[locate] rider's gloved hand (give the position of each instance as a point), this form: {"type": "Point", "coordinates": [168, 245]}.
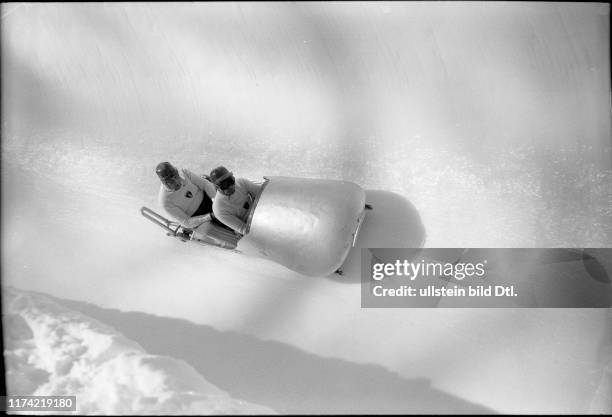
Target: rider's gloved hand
{"type": "Point", "coordinates": [199, 220]}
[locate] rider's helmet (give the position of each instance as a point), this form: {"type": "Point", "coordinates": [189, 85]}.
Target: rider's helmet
{"type": "Point", "coordinates": [167, 173]}
{"type": "Point", "coordinates": [222, 178]}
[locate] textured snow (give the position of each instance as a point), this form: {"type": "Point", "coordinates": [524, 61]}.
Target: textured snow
{"type": "Point", "coordinates": [51, 350]}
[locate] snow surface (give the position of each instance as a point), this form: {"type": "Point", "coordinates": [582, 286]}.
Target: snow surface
{"type": "Point", "coordinates": [474, 124]}
{"type": "Point", "coordinates": [51, 350]}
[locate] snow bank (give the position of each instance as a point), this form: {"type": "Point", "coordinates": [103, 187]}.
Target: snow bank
{"type": "Point", "coordinates": [50, 350]}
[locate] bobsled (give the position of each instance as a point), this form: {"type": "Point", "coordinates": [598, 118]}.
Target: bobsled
{"type": "Point", "coordinates": [306, 225]}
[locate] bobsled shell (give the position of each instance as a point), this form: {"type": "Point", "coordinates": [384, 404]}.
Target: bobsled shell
{"type": "Point", "coordinates": [307, 225]}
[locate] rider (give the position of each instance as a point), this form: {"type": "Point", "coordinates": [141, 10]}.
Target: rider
{"type": "Point", "coordinates": [188, 199]}
{"type": "Point", "coordinates": [234, 198]}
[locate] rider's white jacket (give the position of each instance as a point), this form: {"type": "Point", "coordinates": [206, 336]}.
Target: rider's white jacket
{"type": "Point", "coordinates": [182, 203]}
{"type": "Point", "coordinates": [234, 209]}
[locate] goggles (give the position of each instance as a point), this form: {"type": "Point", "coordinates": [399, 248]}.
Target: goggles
{"type": "Point", "coordinates": [167, 177]}
{"type": "Point", "coordinates": [167, 173]}
{"type": "Point", "coordinates": [225, 181]}
{"type": "Point", "coordinates": [170, 180]}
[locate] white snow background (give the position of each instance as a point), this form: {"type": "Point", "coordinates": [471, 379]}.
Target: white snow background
{"type": "Point", "coordinates": [487, 124]}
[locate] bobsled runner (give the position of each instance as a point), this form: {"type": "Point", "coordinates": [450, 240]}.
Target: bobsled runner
{"type": "Point", "coordinates": [306, 225]}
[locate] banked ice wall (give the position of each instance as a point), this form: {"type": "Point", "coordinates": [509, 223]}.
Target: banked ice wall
{"type": "Point", "coordinates": [492, 120]}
